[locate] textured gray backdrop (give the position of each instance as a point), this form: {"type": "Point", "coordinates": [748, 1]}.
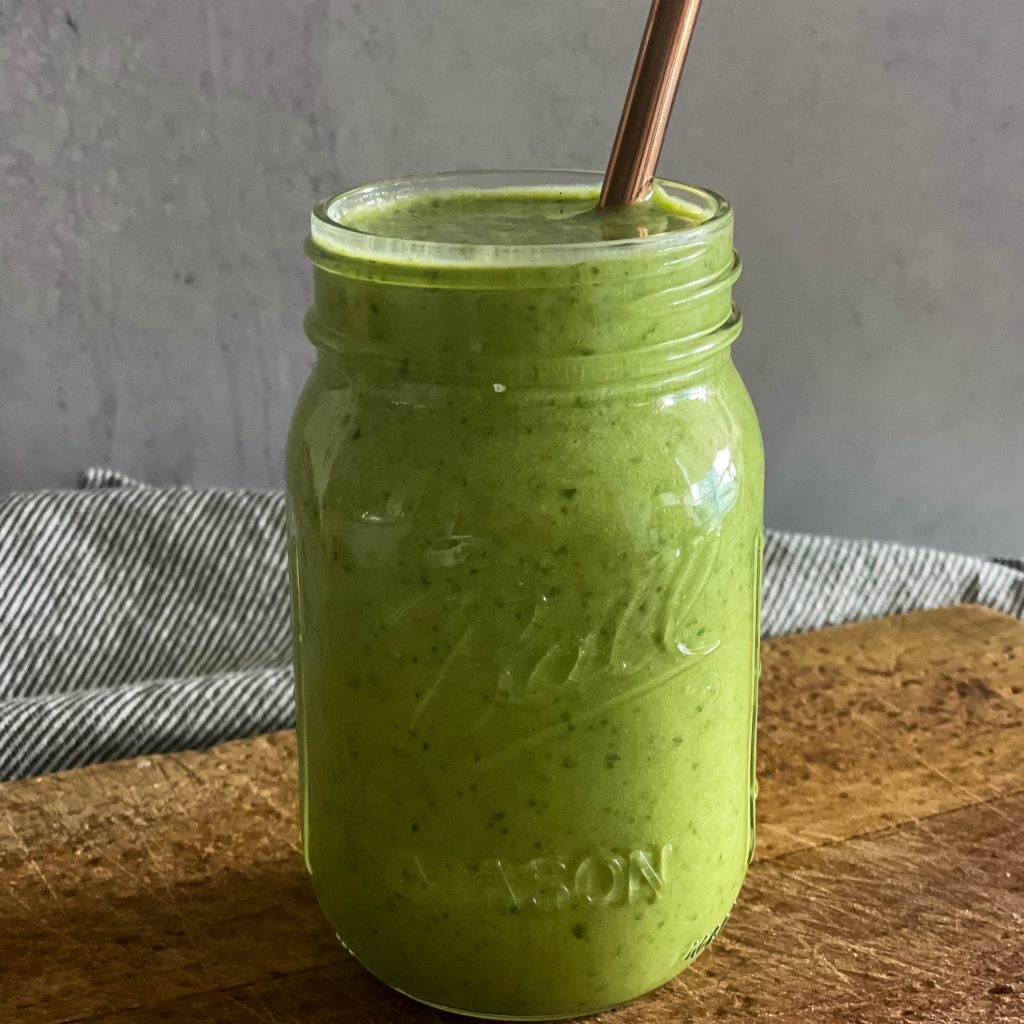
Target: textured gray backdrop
{"type": "Point", "coordinates": [158, 161]}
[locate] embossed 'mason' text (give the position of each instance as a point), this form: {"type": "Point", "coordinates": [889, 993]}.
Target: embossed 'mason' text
{"type": "Point", "coordinates": [542, 883]}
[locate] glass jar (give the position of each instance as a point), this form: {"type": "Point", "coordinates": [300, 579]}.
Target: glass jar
{"type": "Point", "coordinates": [525, 505]}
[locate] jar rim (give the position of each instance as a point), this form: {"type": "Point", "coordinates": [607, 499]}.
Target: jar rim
{"type": "Point", "coordinates": [331, 235]}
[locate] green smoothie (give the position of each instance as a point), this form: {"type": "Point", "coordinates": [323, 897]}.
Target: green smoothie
{"type": "Point", "coordinates": [525, 502]}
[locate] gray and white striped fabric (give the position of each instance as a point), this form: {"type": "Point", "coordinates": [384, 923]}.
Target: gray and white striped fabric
{"type": "Point", "coordinates": [137, 619]}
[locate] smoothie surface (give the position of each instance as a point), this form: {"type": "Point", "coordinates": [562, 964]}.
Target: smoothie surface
{"type": "Point", "coordinates": [524, 216]}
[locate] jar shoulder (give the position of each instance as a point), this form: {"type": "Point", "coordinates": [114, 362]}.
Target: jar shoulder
{"type": "Point", "coordinates": [362, 452]}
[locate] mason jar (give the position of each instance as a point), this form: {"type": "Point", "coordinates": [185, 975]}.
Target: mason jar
{"type": "Point", "coordinates": [524, 490]}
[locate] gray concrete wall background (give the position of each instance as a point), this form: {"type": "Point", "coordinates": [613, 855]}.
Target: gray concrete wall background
{"type": "Point", "coordinates": [158, 161]}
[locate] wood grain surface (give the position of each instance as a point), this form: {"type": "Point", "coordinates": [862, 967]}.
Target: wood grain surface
{"type": "Point", "coordinates": [889, 884]}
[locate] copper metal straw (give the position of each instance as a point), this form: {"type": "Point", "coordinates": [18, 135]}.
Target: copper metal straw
{"type": "Point", "coordinates": [649, 102]}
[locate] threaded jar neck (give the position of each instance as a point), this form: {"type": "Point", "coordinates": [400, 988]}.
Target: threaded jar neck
{"type": "Point", "coordinates": [559, 314]}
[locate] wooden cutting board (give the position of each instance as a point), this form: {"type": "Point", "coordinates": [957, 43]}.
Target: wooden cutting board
{"type": "Point", "coordinates": [889, 884]}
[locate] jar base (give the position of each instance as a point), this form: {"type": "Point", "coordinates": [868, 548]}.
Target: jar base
{"type": "Point", "coordinates": [470, 1014]}
{"type": "Point", "coordinates": [479, 1015]}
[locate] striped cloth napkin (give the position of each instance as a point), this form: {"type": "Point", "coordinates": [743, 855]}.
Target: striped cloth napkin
{"type": "Point", "coordinates": [138, 619]}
